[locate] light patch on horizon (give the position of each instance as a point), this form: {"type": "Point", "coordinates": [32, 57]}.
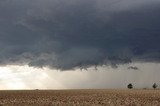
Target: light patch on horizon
{"type": "Point", "coordinates": [25, 77]}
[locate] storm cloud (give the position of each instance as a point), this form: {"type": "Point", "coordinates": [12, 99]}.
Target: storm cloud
{"type": "Point", "coordinates": [79, 33]}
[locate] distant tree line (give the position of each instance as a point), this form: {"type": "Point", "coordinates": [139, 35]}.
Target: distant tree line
{"type": "Point", "coordinates": [130, 86]}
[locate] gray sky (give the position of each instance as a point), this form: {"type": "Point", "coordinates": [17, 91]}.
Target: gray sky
{"type": "Point", "coordinates": [80, 34]}
{"type": "Point", "coordinates": [24, 77]}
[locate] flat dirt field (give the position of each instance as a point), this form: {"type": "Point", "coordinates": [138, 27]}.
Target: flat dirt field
{"type": "Point", "coordinates": [80, 98]}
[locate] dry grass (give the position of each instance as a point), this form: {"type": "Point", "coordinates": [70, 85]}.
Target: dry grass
{"type": "Point", "coordinates": [80, 98]}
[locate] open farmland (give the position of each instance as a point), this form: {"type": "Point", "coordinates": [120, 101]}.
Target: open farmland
{"type": "Point", "coordinates": [80, 97]}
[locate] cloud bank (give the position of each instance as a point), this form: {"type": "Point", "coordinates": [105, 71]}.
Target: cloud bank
{"type": "Point", "coordinates": [79, 33]}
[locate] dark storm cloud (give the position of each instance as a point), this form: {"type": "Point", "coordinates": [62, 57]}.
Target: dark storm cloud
{"type": "Point", "coordinates": [79, 33]}
{"type": "Point", "coordinates": [133, 67]}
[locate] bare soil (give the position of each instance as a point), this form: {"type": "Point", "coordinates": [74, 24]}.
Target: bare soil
{"type": "Point", "coordinates": [80, 98]}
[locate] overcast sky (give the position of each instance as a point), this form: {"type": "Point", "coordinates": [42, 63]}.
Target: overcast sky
{"type": "Point", "coordinates": [70, 35]}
